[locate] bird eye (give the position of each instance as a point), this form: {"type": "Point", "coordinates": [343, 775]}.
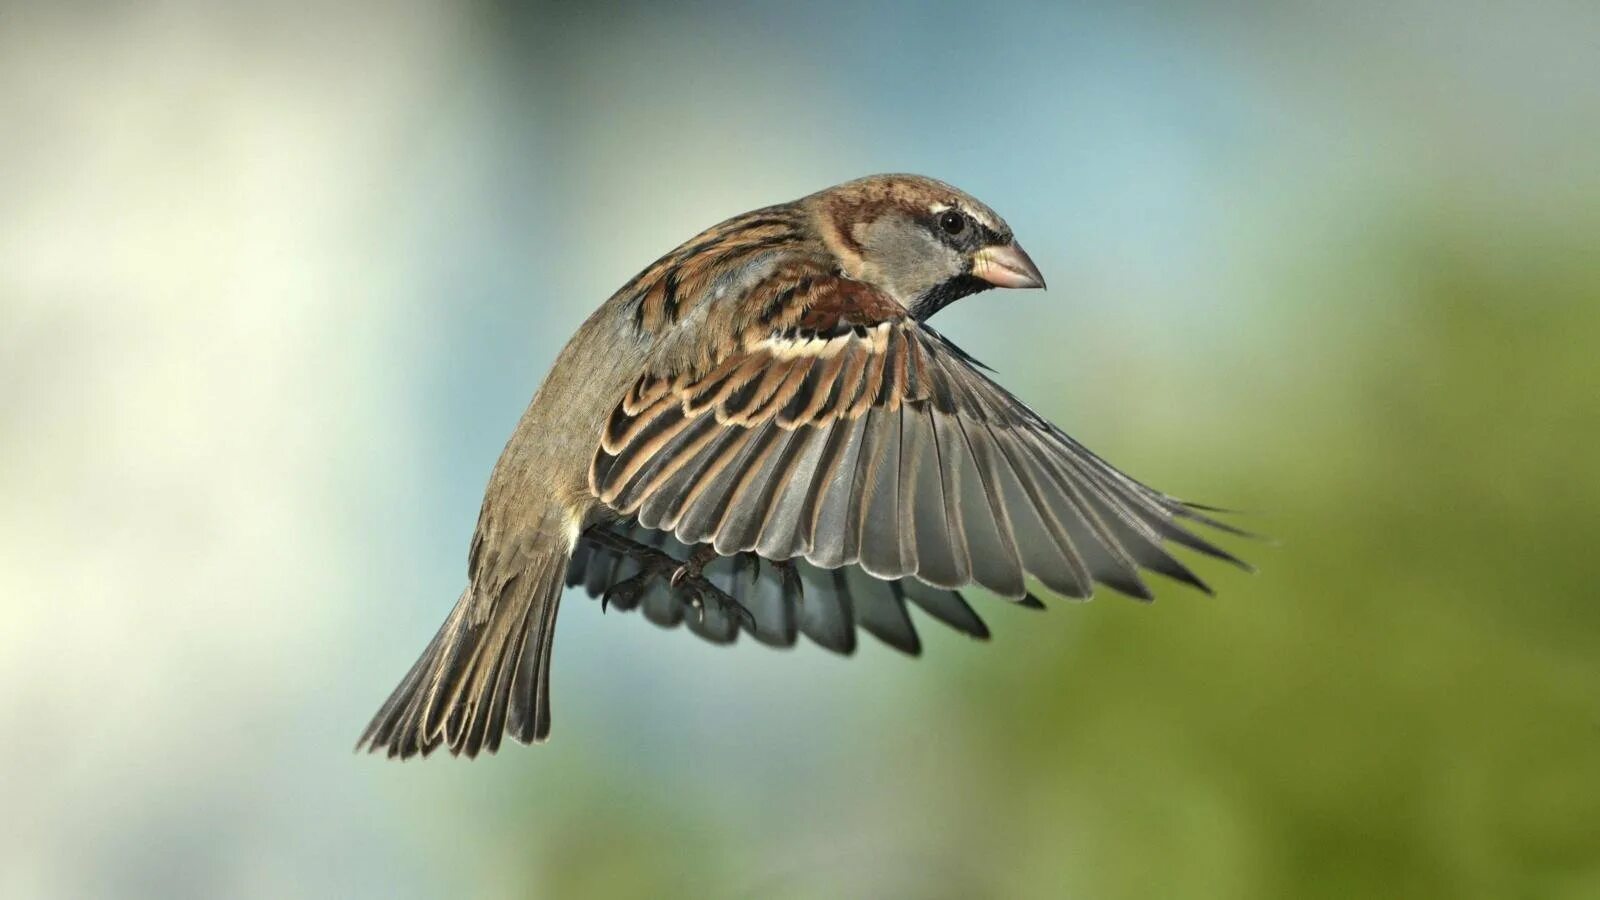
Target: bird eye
{"type": "Point", "coordinates": [952, 222]}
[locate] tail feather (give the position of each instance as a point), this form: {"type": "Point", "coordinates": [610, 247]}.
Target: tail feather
{"type": "Point", "coordinates": [485, 674]}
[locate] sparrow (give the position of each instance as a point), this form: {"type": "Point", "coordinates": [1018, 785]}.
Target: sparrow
{"type": "Point", "coordinates": [759, 433]}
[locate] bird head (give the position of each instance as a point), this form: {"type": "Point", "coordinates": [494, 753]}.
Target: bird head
{"type": "Point", "coordinates": [921, 241]}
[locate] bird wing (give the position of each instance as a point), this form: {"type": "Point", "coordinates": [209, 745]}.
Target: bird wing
{"type": "Point", "coordinates": [825, 606]}
{"type": "Point", "coordinates": [841, 431]}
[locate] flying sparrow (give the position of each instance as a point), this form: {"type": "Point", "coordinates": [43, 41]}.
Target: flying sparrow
{"type": "Point", "coordinates": [760, 429]}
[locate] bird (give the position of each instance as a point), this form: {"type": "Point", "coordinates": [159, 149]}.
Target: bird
{"type": "Point", "coordinates": [760, 433]}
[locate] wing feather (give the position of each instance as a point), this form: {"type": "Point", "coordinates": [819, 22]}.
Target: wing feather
{"type": "Point", "coordinates": [825, 605]}
{"type": "Point", "coordinates": [872, 441]}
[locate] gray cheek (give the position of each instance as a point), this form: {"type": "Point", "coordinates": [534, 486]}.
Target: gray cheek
{"type": "Point", "coordinates": [908, 260]}
{"type": "Point", "coordinates": [919, 265]}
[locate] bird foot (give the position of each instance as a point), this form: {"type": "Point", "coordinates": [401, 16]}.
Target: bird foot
{"type": "Point", "coordinates": [685, 577]}
{"type": "Point", "coordinates": [700, 593]}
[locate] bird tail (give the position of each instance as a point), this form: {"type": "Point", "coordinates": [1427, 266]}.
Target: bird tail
{"type": "Point", "coordinates": [486, 673]}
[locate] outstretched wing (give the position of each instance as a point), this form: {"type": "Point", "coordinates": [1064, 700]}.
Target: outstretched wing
{"type": "Point", "coordinates": [843, 432]}
{"type": "Point", "coordinates": [825, 606]}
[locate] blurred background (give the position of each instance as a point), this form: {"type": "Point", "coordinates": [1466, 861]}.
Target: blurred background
{"type": "Point", "coordinates": [276, 283]}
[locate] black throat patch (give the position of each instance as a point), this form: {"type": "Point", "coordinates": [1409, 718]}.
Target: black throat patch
{"type": "Point", "coordinates": [945, 293]}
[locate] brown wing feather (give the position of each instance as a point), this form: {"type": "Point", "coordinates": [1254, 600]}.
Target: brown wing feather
{"type": "Point", "coordinates": [845, 433]}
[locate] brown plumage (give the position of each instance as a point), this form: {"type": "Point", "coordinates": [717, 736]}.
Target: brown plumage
{"type": "Point", "coordinates": [758, 433]}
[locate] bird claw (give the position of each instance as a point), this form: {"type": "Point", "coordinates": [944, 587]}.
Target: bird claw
{"type": "Point", "coordinates": [792, 585]}
{"type": "Point", "coordinates": [684, 577]}
{"type": "Point", "coordinates": [626, 592]}
{"type": "Point", "coordinates": [700, 593]}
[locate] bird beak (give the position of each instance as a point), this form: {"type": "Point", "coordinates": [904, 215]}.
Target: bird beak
{"type": "Point", "coordinates": [1007, 266]}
